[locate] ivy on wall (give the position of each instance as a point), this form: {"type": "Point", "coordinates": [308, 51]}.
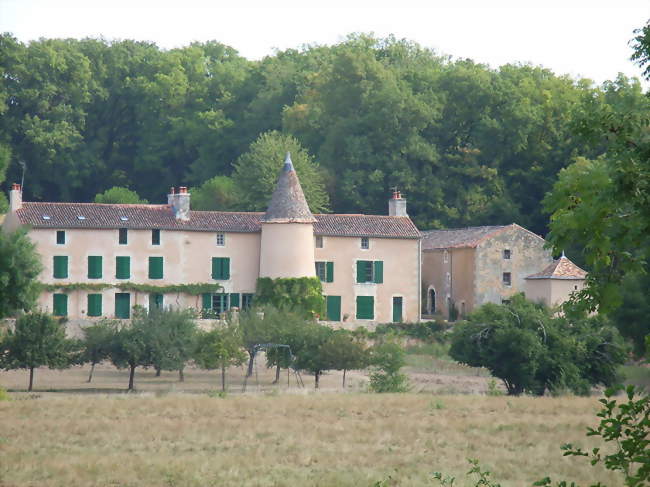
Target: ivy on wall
{"type": "Point", "coordinates": [304, 293]}
{"type": "Point", "coordinates": [193, 289]}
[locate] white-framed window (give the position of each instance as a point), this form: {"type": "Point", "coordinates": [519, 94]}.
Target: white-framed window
{"type": "Point", "coordinates": [506, 254]}
{"type": "Point", "coordinates": [319, 241]}
{"type": "Point", "coordinates": [221, 239]}
{"type": "Point", "coordinates": [365, 243]}
{"type": "Point", "coordinates": [445, 256]}
{"type": "Point", "coordinates": [321, 271]}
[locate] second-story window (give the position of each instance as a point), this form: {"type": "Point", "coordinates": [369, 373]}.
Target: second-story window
{"type": "Point", "coordinates": [445, 256]}
{"type": "Point", "coordinates": [124, 236]}
{"type": "Point", "coordinates": [506, 254]}
{"type": "Point", "coordinates": [155, 236]}
{"type": "Point", "coordinates": [60, 237]}
{"type": "Point", "coordinates": [365, 243]}
{"type": "Point", "coordinates": [319, 241]}
{"type": "Point", "coordinates": [221, 239]}
{"type": "Point", "coordinates": [507, 279]}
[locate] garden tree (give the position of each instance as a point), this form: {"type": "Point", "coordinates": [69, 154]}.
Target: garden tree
{"type": "Point", "coordinates": [256, 327]}
{"type": "Point", "coordinates": [216, 194]}
{"type": "Point", "coordinates": [388, 359]}
{"type": "Point", "coordinates": [131, 346]}
{"type": "Point", "coordinates": [119, 195]}
{"type": "Point", "coordinates": [256, 172]}
{"type": "Point", "coordinates": [311, 357]}
{"type": "Point", "coordinates": [20, 265]}
{"type": "Point", "coordinates": [171, 337]}
{"type": "Point", "coordinates": [631, 317]}
{"type": "Point", "coordinates": [603, 204]}
{"type": "Point", "coordinates": [220, 348]}
{"type": "Point", "coordinates": [96, 344]}
{"type": "Point", "coordinates": [344, 352]}
{"type": "Point", "coordinates": [37, 340]}
{"type": "Point", "coordinates": [532, 351]}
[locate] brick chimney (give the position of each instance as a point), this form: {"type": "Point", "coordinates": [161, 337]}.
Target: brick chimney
{"type": "Point", "coordinates": [397, 205]}
{"type": "Point", "coordinates": [179, 203]}
{"type": "Point", "coordinates": [15, 197]}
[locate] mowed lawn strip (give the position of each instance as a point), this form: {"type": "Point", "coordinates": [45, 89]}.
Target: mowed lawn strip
{"type": "Point", "coordinates": [302, 440]}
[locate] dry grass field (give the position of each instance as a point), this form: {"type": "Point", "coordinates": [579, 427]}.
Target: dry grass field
{"type": "Point", "coordinates": [173, 434]}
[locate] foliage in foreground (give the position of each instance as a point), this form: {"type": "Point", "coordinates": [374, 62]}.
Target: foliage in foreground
{"type": "Point", "coordinates": [533, 351]}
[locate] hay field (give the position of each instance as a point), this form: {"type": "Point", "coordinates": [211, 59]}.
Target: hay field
{"type": "Point", "coordinates": [287, 439]}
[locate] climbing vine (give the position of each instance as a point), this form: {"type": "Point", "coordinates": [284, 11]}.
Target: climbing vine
{"type": "Point", "coordinates": [193, 289]}
{"type": "Point", "coordinates": [304, 293]}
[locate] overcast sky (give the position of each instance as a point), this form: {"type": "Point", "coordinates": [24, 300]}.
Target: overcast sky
{"type": "Point", "coordinates": [586, 38]}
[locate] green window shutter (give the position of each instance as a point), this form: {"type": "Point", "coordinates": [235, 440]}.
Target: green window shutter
{"type": "Point", "coordinates": [122, 267]}
{"type": "Point", "coordinates": [60, 266]}
{"type": "Point", "coordinates": [94, 305]}
{"type": "Point", "coordinates": [365, 307]}
{"type": "Point", "coordinates": [123, 305]}
{"type": "Point", "coordinates": [155, 267]}
{"type": "Point", "coordinates": [397, 309]}
{"type": "Point", "coordinates": [215, 267]}
{"type": "Point", "coordinates": [333, 304]}
{"type": "Point", "coordinates": [361, 271]}
{"type": "Point", "coordinates": [226, 268]}
{"type": "Point", "coordinates": [94, 267]}
{"type": "Point", "coordinates": [379, 271]}
{"type": "Point", "coordinates": [60, 305]}
{"type": "Point", "coordinates": [221, 268]}
{"type": "Point", "coordinates": [206, 300]}
{"type": "Point", "coordinates": [330, 272]}
{"type": "Point", "coordinates": [234, 300]}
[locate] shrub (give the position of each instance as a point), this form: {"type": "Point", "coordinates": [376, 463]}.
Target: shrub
{"type": "Point", "coordinates": [388, 359]}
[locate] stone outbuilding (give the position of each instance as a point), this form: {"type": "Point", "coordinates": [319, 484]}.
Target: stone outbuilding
{"type": "Point", "coordinates": [555, 283]}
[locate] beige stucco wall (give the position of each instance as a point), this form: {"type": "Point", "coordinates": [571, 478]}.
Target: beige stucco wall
{"type": "Point", "coordinates": [527, 256]}
{"type": "Point", "coordinates": [553, 292]}
{"type": "Point", "coordinates": [287, 250]}
{"type": "Point", "coordinates": [451, 276]}
{"type": "Point", "coordinates": [187, 258]}
{"type": "Point", "coordinates": [400, 276]}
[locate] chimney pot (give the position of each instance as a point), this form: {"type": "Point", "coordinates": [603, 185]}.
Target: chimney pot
{"type": "Point", "coordinates": [182, 189]}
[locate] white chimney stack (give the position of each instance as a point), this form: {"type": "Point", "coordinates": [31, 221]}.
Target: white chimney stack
{"type": "Point", "coordinates": [15, 197]}
{"type": "Point", "coordinates": [180, 203]}
{"type": "Point", "coordinates": [397, 205]}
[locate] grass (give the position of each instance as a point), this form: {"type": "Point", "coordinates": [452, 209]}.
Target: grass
{"type": "Point", "coordinates": [287, 439]}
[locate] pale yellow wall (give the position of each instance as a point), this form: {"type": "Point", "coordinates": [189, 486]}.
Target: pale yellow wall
{"type": "Point", "coordinates": [401, 268]}
{"type": "Point", "coordinates": [552, 292]}
{"type": "Point", "coordinates": [187, 258]}
{"type": "Point", "coordinates": [462, 279]}
{"type": "Point", "coordinates": [538, 290]}
{"type": "Point", "coordinates": [528, 256]}
{"type": "Point", "coordinates": [451, 276]}
{"type": "Point", "coordinates": [287, 250]}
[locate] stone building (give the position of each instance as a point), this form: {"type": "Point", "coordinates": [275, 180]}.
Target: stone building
{"type": "Point", "coordinates": [96, 257]}
{"type": "Point", "coordinates": [465, 268]}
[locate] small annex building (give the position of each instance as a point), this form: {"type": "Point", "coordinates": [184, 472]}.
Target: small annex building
{"type": "Point", "coordinates": [97, 257]}
{"type": "Point", "coordinates": [466, 267]}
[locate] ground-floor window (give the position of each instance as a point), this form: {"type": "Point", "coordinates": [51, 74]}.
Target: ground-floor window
{"type": "Point", "coordinates": [123, 305]}
{"type": "Point", "coordinates": [94, 305]}
{"type": "Point", "coordinates": [333, 307]}
{"type": "Point", "coordinates": [397, 309]}
{"type": "Point", "coordinates": [60, 305]}
{"type": "Point", "coordinates": [156, 301]}
{"type": "Point", "coordinates": [365, 308]}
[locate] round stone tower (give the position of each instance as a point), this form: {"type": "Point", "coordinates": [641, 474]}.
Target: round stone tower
{"type": "Point", "coordinates": [287, 245]}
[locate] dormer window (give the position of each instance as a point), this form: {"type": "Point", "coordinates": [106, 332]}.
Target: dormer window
{"type": "Point", "coordinates": [365, 243]}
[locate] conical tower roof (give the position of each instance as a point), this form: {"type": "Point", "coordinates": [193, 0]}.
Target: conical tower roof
{"type": "Point", "coordinates": [288, 204]}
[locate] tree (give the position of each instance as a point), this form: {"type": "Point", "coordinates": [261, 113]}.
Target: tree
{"type": "Point", "coordinates": [388, 359]}
{"type": "Point", "coordinates": [216, 194]}
{"type": "Point", "coordinates": [311, 357]}
{"type": "Point", "coordinates": [344, 353]}
{"type": "Point", "coordinates": [256, 327]}
{"type": "Point", "coordinates": [631, 318]}
{"type": "Point", "coordinates": [220, 348]}
{"type": "Point", "coordinates": [20, 265]}
{"type": "Point", "coordinates": [118, 195]}
{"type": "Point", "coordinates": [37, 340]}
{"type": "Point", "coordinates": [131, 345]}
{"type": "Point", "coordinates": [256, 172]}
{"type": "Point", "coordinates": [533, 351]}
{"type": "Point", "coordinates": [97, 342]}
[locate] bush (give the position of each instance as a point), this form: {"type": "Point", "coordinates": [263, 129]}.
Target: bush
{"type": "Point", "coordinates": [388, 359]}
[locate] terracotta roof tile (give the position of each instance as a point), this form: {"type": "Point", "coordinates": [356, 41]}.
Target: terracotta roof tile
{"type": "Point", "coordinates": [561, 268]}
{"type": "Point", "coordinates": [457, 237]}
{"type": "Point", "coordinates": [66, 215]}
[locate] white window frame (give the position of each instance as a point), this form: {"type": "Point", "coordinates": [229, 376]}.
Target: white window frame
{"type": "Point", "coordinates": [321, 266]}
{"type": "Point", "coordinates": [365, 243]}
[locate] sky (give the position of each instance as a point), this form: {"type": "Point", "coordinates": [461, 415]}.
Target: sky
{"type": "Point", "coordinates": [581, 38]}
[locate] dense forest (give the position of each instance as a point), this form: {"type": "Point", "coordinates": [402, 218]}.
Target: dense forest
{"type": "Point", "coordinates": [467, 144]}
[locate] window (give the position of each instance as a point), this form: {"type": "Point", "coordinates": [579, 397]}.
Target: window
{"type": "Point", "coordinates": [60, 267]}
{"type": "Point", "coordinates": [60, 305]}
{"type": "Point", "coordinates": [365, 307]}
{"type": "Point", "coordinates": [122, 267]}
{"type": "Point", "coordinates": [123, 305]}
{"type": "Point", "coordinates": [448, 275]}
{"type": "Point", "coordinates": [155, 267]}
{"type": "Point", "coordinates": [319, 241]}
{"type": "Point", "coordinates": [325, 271]}
{"type": "Point", "coordinates": [365, 243]}
{"type": "Point", "coordinates": [507, 279]}
{"type": "Point", "coordinates": [156, 301]}
{"type": "Point", "coordinates": [506, 254]}
{"type": "Point", "coordinates": [221, 268]}
{"type": "Point", "coordinates": [124, 236]}
{"type": "Point", "coordinates": [370, 271]}
{"type": "Point", "coordinates": [94, 305]}
{"type": "Point", "coordinates": [234, 300]}
{"type": "Point", "coordinates": [94, 267]}
{"type": "Point", "coordinates": [505, 301]}
{"type": "Point", "coordinates": [397, 308]}
{"type": "Point", "coordinates": [246, 300]}
{"type": "Point", "coordinates": [60, 237]}
{"type": "Point", "coordinates": [221, 239]}
{"type": "Point", "coordinates": [333, 307]}
{"type": "Point", "coordinates": [445, 256]}
{"type": "Point", "coordinates": [155, 236]}
{"type": "Point", "coordinates": [219, 302]}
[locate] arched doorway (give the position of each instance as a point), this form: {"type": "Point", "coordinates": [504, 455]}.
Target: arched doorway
{"type": "Point", "coordinates": [431, 301]}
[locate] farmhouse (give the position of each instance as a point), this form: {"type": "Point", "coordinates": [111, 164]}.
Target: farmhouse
{"type": "Point", "coordinates": [100, 260]}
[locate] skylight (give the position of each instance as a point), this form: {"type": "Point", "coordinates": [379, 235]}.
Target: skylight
{"type": "Point", "coordinates": [124, 218]}
{"type": "Point", "coordinates": [81, 217]}
{"type": "Point", "coordinates": [47, 217]}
